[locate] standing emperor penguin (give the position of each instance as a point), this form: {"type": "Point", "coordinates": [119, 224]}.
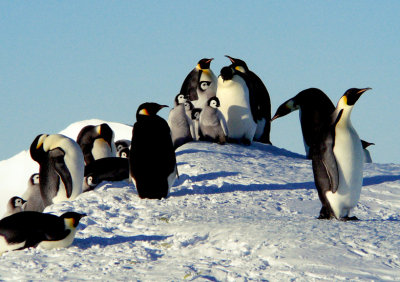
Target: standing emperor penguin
{"type": "Point", "coordinates": [182, 127]}
{"type": "Point", "coordinates": [32, 229]}
{"type": "Point", "coordinates": [338, 161]}
{"type": "Point", "coordinates": [200, 84]}
{"type": "Point", "coordinates": [152, 158]}
{"type": "Point", "coordinates": [212, 122]}
{"type": "Point", "coordinates": [233, 93]}
{"type": "Point", "coordinates": [260, 102]}
{"type": "Point", "coordinates": [61, 167]}
{"type": "Point", "coordinates": [32, 195]}
{"type": "Point", "coordinates": [96, 142]}
{"type": "Point", "coordinates": [315, 109]}
{"type": "Point", "coordinates": [15, 204]}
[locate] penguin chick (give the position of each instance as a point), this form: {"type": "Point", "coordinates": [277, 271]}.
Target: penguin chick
{"type": "Point", "coordinates": [14, 205]}
{"type": "Point", "coordinates": [212, 122]}
{"type": "Point", "coordinates": [195, 115]}
{"type": "Point", "coordinates": [122, 147]}
{"type": "Point", "coordinates": [32, 229]}
{"type": "Point", "coordinates": [32, 195]}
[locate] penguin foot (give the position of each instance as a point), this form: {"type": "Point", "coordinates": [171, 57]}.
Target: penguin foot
{"type": "Point", "coordinates": [324, 213]}
{"type": "Point", "coordinates": [347, 218]}
{"type": "Point", "coordinates": [246, 141]}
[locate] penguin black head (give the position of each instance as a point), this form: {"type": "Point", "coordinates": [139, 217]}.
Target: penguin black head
{"type": "Point", "coordinates": [105, 132]}
{"type": "Point", "coordinates": [213, 102]}
{"type": "Point", "coordinates": [16, 202]}
{"type": "Point", "coordinates": [204, 85]}
{"type": "Point", "coordinates": [149, 109]}
{"type": "Point", "coordinates": [72, 218]}
{"type": "Point", "coordinates": [227, 73]}
{"type": "Point", "coordinates": [204, 64]}
{"type": "Point", "coordinates": [91, 132]}
{"type": "Point", "coordinates": [351, 96]}
{"type": "Point", "coordinates": [188, 106]}
{"type": "Point", "coordinates": [196, 113]}
{"type": "Point", "coordinates": [238, 64]}
{"type": "Point", "coordinates": [180, 99]}
{"type": "Point", "coordinates": [34, 179]}
{"type": "Point", "coordinates": [37, 150]}
{"type": "Point", "coordinates": [286, 108]}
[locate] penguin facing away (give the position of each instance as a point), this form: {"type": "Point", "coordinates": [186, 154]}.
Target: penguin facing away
{"type": "Point", "coordinates": [34, 201]}
{"type": "Point", "coordinates": [315, 109]}
{"type": "Point", "coordinates": [61, 167]}
{"type": "Point", "coordinates": [200, 84]}
{"type": "Point", "coordinates": [152, 158]}
{"type": "Point", "coordinates": [212, 122]}
{"type": "Point", "coordinates": [260, 102]}
{"type": "Point", "coordinates": [14, 205]}
{"type": "Point", "coordinates": [182, 127]}
{"type": "Point", "coordinates": [338, 160]}
{"type": "Point", "coordinates": [32, 229]}
{"type": "Point", "coordinates": [233, 93]}
{"type": "Point", "coordinates": [96, 142]}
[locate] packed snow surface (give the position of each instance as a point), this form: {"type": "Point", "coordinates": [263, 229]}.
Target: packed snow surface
{"type": "Point", "coordinates": [236, 213]}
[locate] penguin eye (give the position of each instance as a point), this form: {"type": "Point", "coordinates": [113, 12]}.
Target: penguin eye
{"type": "Point", "coordinates": [89, 180]}
{"type": "Point", "coordinates": [124, 155]}
{"type": "Point", "coordinates": [204, 85]}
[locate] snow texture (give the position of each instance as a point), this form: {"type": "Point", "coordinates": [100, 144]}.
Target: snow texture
{"type": "Point", "coordinates": [237, 213]}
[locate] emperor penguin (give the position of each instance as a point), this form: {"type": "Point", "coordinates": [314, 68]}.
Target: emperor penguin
{"type": "Point", "coordinates": [367, 155]}
{"type": "Point", "coordinates": [96, 142]}
{"type": "Point", "coordinates": [338, 161]}
{"type": "Point", "coordinates": [315, 109]}
{"type": "Point", "coordinates": [260, 102]}
{"type": "Point", "coordinates": [15, 204]}
{"type": "Point", "coordinates": [152, 158]}
{"type": "Point", "coordinates": [195, 115]}
{"type": "Point", "coordinates": [200, 84]}
{"type": "Point", "coordinates": [122, 147]}
{"type": "Point", "coordinates": [32, 195]}
{"type": "Point", "coordinates": [61, 167]}
{"type": "Point", "coordinates": [212, 122]}
{"type": "Point", "coordinates": [34, 229]}
{"type": "Point", "coordinates": [181, 125]}
{"type": "Point", "coordinates": [233, 93]}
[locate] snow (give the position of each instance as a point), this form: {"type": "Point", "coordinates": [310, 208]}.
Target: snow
{"type": "Point", "coordinates": [237, 213]}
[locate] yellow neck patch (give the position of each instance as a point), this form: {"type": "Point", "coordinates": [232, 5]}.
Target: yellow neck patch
{"type": "Point", "coordinates": [144, 112]}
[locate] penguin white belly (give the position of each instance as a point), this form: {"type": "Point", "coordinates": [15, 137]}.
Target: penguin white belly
{"type": "Point", "coordinates": [235, 107]}
{"type": "Point", "coordinates": [101, 149]}
{"type": "Point", "coordinates": [349, 158]}
{"type": "Point", "coordinates": [5, 247]}
{"type": "Point", "coordinates": [260, 128]}
{"type": "Point", "coordinates": [67, 241]}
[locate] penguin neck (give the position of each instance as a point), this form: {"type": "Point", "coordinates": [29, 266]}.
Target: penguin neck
{"type": "Point", "coordinates": [345, 120]}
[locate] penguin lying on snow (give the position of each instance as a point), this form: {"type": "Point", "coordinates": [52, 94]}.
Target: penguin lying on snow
{"type": "Point", "coordinates": [337, 161]}
{"type": "Point", "coordinates": [152, 157]}
{"type": "Point", "coordinates": [200, 84]}
{"type": "Point", "coordinates": [61, 167]}
{"type": "Point", "coordinates": [14, 205]}
{"type": "Point", "coordinates": [31, 229]}
{"type": "Point", "coordinates": [212, 123]}
{"type": "Point", "coordinates": [96, 142]}
{"type": "Point", "coordinates": [34, 201]}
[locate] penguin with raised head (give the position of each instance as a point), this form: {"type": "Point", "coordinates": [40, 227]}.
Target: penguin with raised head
{"type": "Point", "coordinates": [367, 154]}
{"type": "Point", "coordinates": [181, 125]}
{"type": "Point", "coordinates": [212, 122]}
{"type": "Point", "coordinates": [315, 109]}
{"type": "Point", "coordinates": [32, 229]}
{"type": "Point", "coordinates": [233, 93]}
{"type": "Point", "coordinates": [32, 195]}
{"type": "Point", "coordinates": [338, 160]}
{"type": "Point", "coordinates": [14, 205]}
{"type": "Point", "coordinates": [260, 103]}
{"type": "Point", "coordinates": [122, 147]}
{"type": "Point", "coordinates": [96, 142]}
{"type": "Point", "coordinates": [152, 158]}
{"type": "Point", "coordinates": [200, 84]}
{"type": "Point", "coordinates": [61, 167]}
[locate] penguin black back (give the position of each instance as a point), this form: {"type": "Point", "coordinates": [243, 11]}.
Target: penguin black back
{"type": "Point", "coordinates": [152, 155]}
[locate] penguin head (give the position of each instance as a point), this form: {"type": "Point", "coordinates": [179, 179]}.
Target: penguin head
{"type": "Point", "coordinates": [188, 106]}
{"type": "Point", "coordinates": [71, 219]}
{"type": "Point", "coordinates": [286, 108]}
{"type": "Point", "coordinates": [213, 102]}
{"type": "Point", "coordinates": [37, 150]}
{"type": "Point", "coordinates": [204, 64]}
{"type": "Point", "coordinates": [351, 96]}
{"type": "Point", "coordinates": [204, 85]}
{"type": "Point", "coordinates": [180, 99]}
{"type": "Point", "coordinates": [90, 182]}
{"type": "Point", "coordinates": [196, 113]}
{"type": "Point", "coordinates": [124, 153]}
{"type": "Point", "coordinates": [34, 179]}
{"type": "Point", "coordinates": [122, 144]}
{"type": "Point", "coordinates": [16, 202]}
{"type": "Point", "coordinates": [238, 64]}
{"type": "Point", "coordinates": [104, 131]}
{"type": "Point", "coordinates": [149, 109]}
{"type": "Point", "coordinates": [227, 73]}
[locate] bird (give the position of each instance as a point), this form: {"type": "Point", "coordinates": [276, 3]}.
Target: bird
{"type": "Point", "coordinates": [367, 154]}
{"type": "Point", "coordinates": [34, 201]}
{"type": "Point", "coordinates": [14, 205]}
{"type": "Point", "coordinates": [212, 123]}
{"type": "Point", "coordinates": [61, 169]}
{"type": "Point", "coordinates": [96, 142]}
{"type": "Point", "coordinates": [34, 229]}
{"type": "Point", "coordinates": [200, 84]}
{"type": "Point", "coordinates": [260, 102]}
{"type": "Point", "coordinates": [122, 147]}
{"type": "Point", "coordinates": [337, 161]}
{"type": "Point", "coordinates": [152, 159]}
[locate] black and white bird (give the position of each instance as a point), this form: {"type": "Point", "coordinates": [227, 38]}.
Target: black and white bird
{"type": "Point", "coordinates": [34, 201]}
{"type": "Point", "coordinates": [14, 205]}
{"type": "Point", "coordinates": [212, 122]}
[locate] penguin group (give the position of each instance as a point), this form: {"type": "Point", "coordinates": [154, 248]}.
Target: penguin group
{"type": "Point", "coordinates": [234, 107]}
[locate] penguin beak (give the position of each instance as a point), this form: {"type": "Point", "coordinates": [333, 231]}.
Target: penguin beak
{"type": "Point", "coordinates": [275, 117]}
{"type": "Point", "coordinates": [363, 90]}
{"type": "Point", "coordinates": [209, 61]}
{"type": "Point", "coordinates": [230, 58]}
{"type": "Point", "coordinates": [163, 106]}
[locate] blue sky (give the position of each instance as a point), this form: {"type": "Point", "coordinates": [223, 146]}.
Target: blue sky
{"type": "Point", "coordinates": [66, 61]}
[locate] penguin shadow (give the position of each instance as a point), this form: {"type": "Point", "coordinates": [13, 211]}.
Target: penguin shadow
{"type": "Point", "coordinates": [104, 242]}
{"type": "Point", "coordinates": [202, 177]}
{"type": "Point", "coordinates": [191, 151]}
{"type": "Point", "coordinates": [229, 188]}
{"type": "Point", "coordinates": [379, 179]}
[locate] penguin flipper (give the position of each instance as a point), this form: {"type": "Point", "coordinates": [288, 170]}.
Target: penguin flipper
{"type": "Point", "coordinates": [57, 156]}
